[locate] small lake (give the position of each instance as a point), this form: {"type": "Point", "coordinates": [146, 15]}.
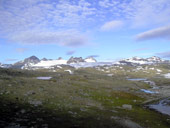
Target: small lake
{"type": "Point", "coordinates": [148, 91]}
{"type": "Point", "coordinates": [44, 78]}
{"type": "Point", "coordinates": [163, 106]}
{"type": "Point", "coordinates": [137, 79]}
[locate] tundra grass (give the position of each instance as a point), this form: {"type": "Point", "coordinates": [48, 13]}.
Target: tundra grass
{"type": "Point", "coordinates": [85, 99]}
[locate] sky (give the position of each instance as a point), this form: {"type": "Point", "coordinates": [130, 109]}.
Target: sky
{"type": "Point", "coordinates": [105, 29]}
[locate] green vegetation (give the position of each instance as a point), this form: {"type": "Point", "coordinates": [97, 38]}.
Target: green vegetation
{"type": "Point", "coordinates": [87, 99]}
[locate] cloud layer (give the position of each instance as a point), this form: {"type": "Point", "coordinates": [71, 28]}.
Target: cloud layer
{"type": "Point", "coordinates": [70, 52]}
{"type": "Point", "coordinates": [21, 50]}
{"type": "Point", "coordinates": [47, 14]}
{"type": "Point", "coordinates": [11, 60]}
{"type": "Point", "coordinates": [44, 21]}
{"type": "Point", "coordinates": [164, 54]}
{"type": "Point", "coordinates": [70, 38]}
{"type": "Point", "coordinates": [111, 25]}
{"type": "Point", "coordinates": [162, 33]}
{"type": "Point", "coordinates": [94, 56]}
{"type": "Point", "coordinates": [140, 13]}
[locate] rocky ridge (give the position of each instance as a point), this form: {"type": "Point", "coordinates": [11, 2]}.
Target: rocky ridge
{"type": "Point", "coordinates": [34, 62]}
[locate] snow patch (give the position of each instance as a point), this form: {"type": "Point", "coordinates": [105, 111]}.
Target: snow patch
{"type": "Point", "coordinates": [167, 75]}
{"type": "Point", "coordinates": [44, 78]}
{"type": "Point", "coordinates": [59, 67]}
{"type": "Point", "coordinates": [158, 70]}
{"type": "Point", "coordinates": [109, 74]}
{"type": "Point", "coordinates": [69, 71]}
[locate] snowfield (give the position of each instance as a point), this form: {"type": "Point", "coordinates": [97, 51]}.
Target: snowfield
{"type": "Point", "coordinates": [92, 64]}
{"type": "Point", "coordinates": [89, 60]}
{"type": "Point", "coordinates": [50, 63]}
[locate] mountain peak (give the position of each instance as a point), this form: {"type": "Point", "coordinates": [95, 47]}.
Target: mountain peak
{"type": "Point", "coordinates": [75, 60]}
{"type": "Point", "coordinates": [44, 59]}
{"type": "Point", "coordinates": [154, 58]}
{"type": "Point", "coordinates": [59, 58]}
{"type": "Point", "coordinates": [32, 58]}
{"type": "Point", "coordinates": [27, 62]}
{"type": "Point", "coordinates": [139, 60]}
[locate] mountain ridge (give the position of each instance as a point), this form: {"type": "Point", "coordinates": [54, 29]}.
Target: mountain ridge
{"type": "Point", "coordinates": [35, 62]}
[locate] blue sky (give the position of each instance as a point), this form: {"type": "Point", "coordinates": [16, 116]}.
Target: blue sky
{"type": "Point", "coordinates": [108, 29]}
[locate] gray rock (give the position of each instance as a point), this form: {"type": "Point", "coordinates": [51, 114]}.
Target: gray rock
{"type": "Point", "coordinates": [35, 102]}
{"type": "Point", "coordinates": [130, 124]}
{"type": "Point", "coordinates": [127, 106]}
{"type": "Point", "coordinates": [75, 60]}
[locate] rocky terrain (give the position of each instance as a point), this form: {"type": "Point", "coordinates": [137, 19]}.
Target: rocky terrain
{"type": "Point", "coordinates": [35, 63]}
{"type": "Point", "coordinates": [130, 93]}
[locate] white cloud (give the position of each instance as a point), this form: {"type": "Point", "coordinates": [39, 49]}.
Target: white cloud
{"type": "Point", "coordinates": [45, 22]}
{"type": "Point", "coordinates": [69, 38]}
{"type": "Point", "coordinates": [94, 56]}
{"type": "Point", "coordinates": [111, 25]}
{"type": "Point", "coordinates": [9, 60]}
{"type": "Point", "coordinates": [162, 33]}
{"type": "Point", "coordinates": [138, 13]}
{"type": "Point", "coordinates": [21, 50]}
{"type": "Point", "coordinates": [146, 13]}
{"type": "Point", "coordinates": [33, 14]}
{"type": "Point", "coordinates": [164, 54]}
{"type": "Point", "coordinates": [107, 3]}
{"type": "Point", "coordinates": [30, 14]}
{"type": "Point", "coordinates": [51, 18]}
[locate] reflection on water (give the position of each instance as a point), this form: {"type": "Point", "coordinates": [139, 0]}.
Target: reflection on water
{"type": "Point", "coordinates": [163, 106]}
{"type": "Point", "coordinates": [137, 79]}
{"type": "Point", "coordinates": [148, 91]}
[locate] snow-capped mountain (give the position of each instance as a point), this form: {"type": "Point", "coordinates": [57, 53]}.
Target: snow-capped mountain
{"type": "Point", "coordinates": [138, 60]}
{"type": "Point", "coordinates": [28, 62]}
{"type": "Point", "coordinates": [5, 65]}
{"type": "Point", "coordinates": [44, 59]}
{"type": "Point", "coordinates": [154, 59]}
{"type": "Point", "coordinates": [74, 60]}
{"type": "Point", "coordinates": [47, 63]}
{"type": "Point", "coordinates": [35, 63]}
